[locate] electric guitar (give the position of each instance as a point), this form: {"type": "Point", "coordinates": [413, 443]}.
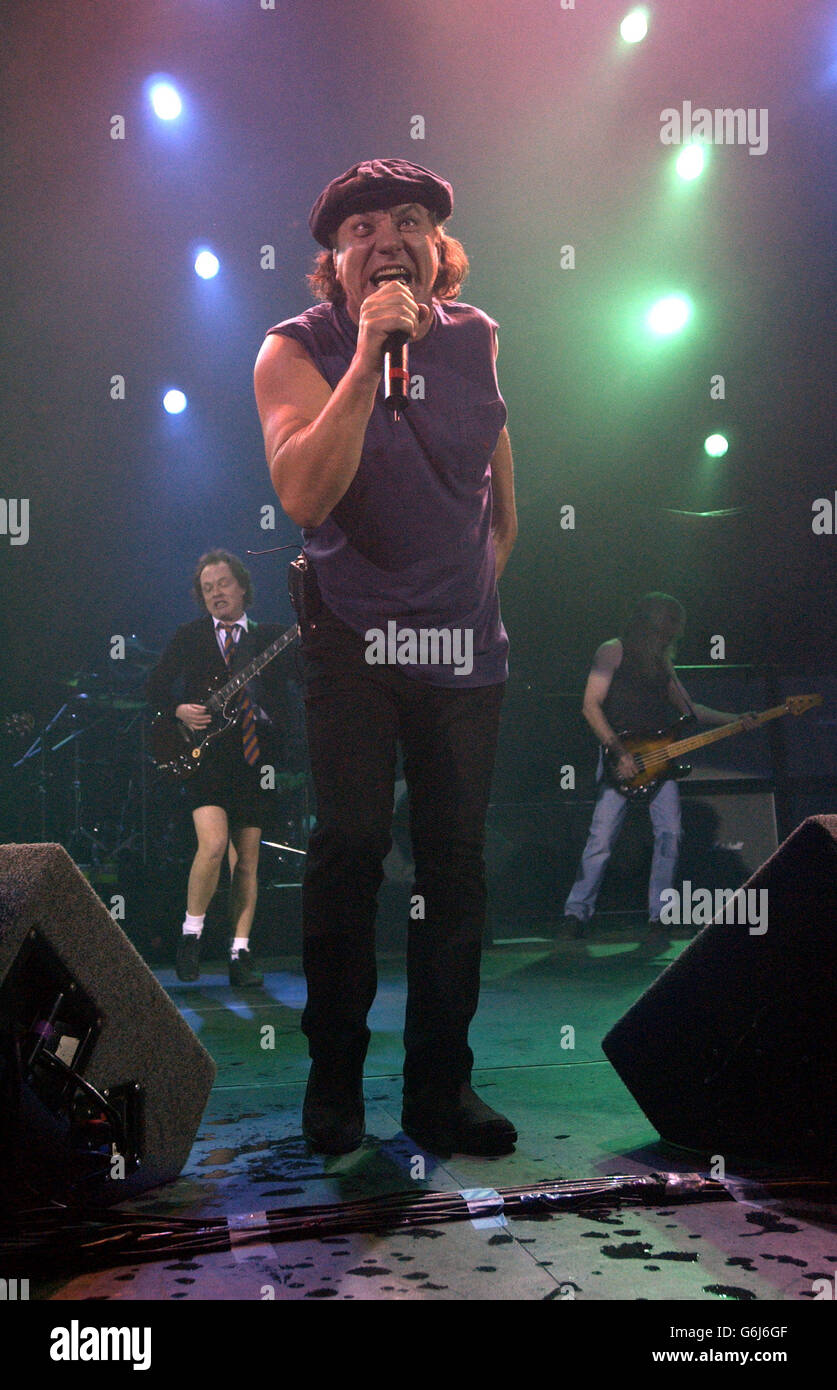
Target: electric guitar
{"type": "Point", "coordinates": [656, 754]}
{"type": "Point", "coordinates": [177, 749]}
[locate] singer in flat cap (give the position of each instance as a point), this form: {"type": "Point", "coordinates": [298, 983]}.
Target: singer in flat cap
{"type": "Point", "coordinates": [408, 519]}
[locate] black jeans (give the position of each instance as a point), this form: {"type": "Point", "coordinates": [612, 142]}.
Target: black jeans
{"type": "Point", "coordinates": [356, 713]}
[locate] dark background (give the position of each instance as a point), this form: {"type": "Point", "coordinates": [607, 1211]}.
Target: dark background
{"type": "Point", "coordinates": [548, 127]}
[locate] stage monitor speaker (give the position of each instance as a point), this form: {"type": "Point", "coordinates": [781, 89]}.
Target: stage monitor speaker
{"type": "Point", "coordinates": [102, 1083]}
{"type": "Point", "coordinates": [733, 1049]}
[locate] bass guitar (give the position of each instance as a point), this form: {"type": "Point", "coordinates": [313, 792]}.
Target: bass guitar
{"type": "Point", "coordinates": [656, 754]}
{"type": "Point", "coordinates": [178, 750]}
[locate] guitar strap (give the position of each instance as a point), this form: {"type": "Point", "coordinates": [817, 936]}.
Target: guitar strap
{"type": "Point", "coordinates": [684, 693]}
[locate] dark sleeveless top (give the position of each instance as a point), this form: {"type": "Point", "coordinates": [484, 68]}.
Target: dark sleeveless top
{"type": "Point", "coordinates": [410, 540]}
{"type": "Point", "coordinates": [637, 703]}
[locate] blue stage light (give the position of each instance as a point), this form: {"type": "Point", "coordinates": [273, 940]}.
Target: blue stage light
{"type": "Point", "coordinates": [207, 265]}
{"type": "Point", "coordinates": [165, 101]}
{"type": "Point", "coordinates": [174, 401]}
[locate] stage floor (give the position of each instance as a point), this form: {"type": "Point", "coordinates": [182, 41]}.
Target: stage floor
{"type": "Point", "coordinates": [575, 1120]}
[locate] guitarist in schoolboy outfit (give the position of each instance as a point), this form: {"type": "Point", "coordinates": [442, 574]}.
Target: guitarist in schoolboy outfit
{"type": "Point", "coordinates": [228, 804]}
{"type": "Point", "coordinates": [632, 685]}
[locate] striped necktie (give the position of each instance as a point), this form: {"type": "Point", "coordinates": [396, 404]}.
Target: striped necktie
{"type": "Point", "coordinates": [249, 742]}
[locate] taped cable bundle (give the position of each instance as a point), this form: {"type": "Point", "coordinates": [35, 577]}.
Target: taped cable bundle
{"type": "Point", "coordinates": [56, 1238]}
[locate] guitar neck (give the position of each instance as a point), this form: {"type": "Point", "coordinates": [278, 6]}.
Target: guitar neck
{"type": "Point", "coordinates": [688, 745]}
{"type": "Point", "coordinates": [235, 683]}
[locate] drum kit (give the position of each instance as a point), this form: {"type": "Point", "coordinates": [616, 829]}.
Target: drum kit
{"type": "Point", "coordinates": [87, 780]}
{"type": "Point", "coordinates": [83, 780]}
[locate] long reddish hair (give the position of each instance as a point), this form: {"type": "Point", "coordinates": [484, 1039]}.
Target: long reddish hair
{"type": "Point", "coordinates": [453, 268]}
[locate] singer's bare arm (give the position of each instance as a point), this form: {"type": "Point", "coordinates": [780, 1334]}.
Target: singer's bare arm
{"type": "Point", "coordinates": [504, 517]}
{"type": "Point", "coordinates": [314, 436]}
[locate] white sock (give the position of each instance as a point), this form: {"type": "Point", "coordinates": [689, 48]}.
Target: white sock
{"type": "Point", "coordinates": [240, 943]}
{"type": "Point", "coordinates": [193, 926]}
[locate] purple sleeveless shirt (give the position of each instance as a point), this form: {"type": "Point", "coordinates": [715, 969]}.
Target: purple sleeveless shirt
{"type": "Point", "coordinates": [407, 553]}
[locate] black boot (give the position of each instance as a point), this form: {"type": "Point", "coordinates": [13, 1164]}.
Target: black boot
{"type": "Point", "coordinates": [242, 973]}
{"type": "Point", "coordinates": [341, 978]}
{"type": "Point", "coordinates": [656, 941]}
{"type": "Point", "coordinates": [332, 1113]}
{"type": "Point", "coordinates": [188, 957]}
{"type": "Point", "coordinates": [456, 1122]}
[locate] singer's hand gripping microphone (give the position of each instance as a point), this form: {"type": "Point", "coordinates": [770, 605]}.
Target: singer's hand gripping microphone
{"type": "Point", "coordinates": [396, 356]}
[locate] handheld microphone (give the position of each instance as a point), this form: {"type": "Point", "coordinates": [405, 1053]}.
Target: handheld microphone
{"type": "Point", "coordinates": [396, 360]}
{"type": "Point", "coordinates": [396, 372]}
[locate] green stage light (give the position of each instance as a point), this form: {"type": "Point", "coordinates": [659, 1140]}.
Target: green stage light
{"type": "Point", "coordinates": [691, 161]}
{"type": "Point", "coordinates": [716, 446]}
{"type": "Point", "coordinates": [669, 315]}
{"type": "Point", "coordinates": [634, 26]}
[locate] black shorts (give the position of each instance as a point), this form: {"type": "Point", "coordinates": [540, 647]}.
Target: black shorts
{"type": "Point", "coordinates": [226, 780]}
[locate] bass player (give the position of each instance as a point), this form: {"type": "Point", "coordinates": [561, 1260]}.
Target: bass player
{"type": "Point", "coordinates": [632, 685]}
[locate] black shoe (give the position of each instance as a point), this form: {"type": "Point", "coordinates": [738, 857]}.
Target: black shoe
{"type": "Point", "coordinates": [462, 1125]}
{"type": "Point", "coordinates": [241, 973]}
{"type": "Point", "coordinates": [333, 1115]}
{"type": "Point", "coordinates": [188, 957]}
{"type": "Point", "coordinates": [656, 940]}
{"type": "Point", "coordinates": [573, 927]}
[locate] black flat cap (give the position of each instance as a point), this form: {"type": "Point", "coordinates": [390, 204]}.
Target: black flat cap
{"type": "Point", "coordinates": [377, 183]}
